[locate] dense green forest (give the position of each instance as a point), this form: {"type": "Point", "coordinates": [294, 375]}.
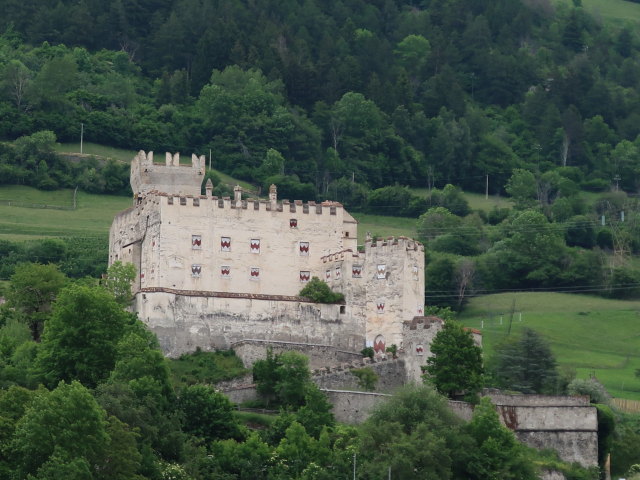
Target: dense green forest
{"type": "Point", "coordinates": [412, 92]}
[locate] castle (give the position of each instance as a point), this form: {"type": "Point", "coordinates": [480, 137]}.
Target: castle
{"type": "Point", "coordinates": [219, 273]}
{"type": "Point", "coordinates": [216, 271]}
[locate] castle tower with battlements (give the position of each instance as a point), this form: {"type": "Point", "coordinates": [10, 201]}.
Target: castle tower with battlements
{"type": "Point", "coordinates": [214, 271]}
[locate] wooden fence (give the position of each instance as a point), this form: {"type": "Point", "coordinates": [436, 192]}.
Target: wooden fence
{"type": "Point", "coordinates": [626, 405]}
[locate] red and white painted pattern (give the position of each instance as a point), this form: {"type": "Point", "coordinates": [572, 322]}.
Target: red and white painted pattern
{"type": "Point", "coordinates": [255, 245]}
{"type": "Point", "coordinates": [196, 242]}
{"type": "Point", "coordinates": [304, 248]}
{"type": "Point", "coordinates": [356, 271]}
{"type": "Point", "coordinates": [338, 272]}
{"type": "Point", "coordinates": [254, 273]}
{"type": "Point", "coordinates": [381, 271]}
{"type": "Point", "coordinates": [225, 244]}
{"type": "Point", "coordinates": [305, 276]}
{"type": "Point", "coordinates": [293, 223]}
{"type": "Point", "coordinates": [380, 306]}
{"type": "Point", "coordinates": [196, 270]}
{"type": "Point", "coordinates": [225, 270]}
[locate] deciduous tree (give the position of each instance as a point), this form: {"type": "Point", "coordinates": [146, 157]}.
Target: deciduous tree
{"type": "Point", "coordinates": [455, 369]}
{"type": "Point", "coordinates": [32, 290]}
{"type": "Point", "coordinates": [80, 338]}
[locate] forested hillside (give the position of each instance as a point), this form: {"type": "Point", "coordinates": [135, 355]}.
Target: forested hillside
{"type": "Point", "coordinates": [381, 92]}
{"type": "Point", "coordinates": [355, 101]}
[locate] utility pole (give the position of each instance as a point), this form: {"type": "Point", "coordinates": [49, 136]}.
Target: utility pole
{"type": "Point", "coordinates": [354, 466]}
{"type": "Point", "coordinates": [81, 136]}
{"type": "Point", "coordinates": [513, 309]}
{"type": "Point", "coordinates": [486, 189]}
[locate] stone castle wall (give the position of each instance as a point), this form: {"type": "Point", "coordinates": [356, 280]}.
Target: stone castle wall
{"type": "Point", "coordinates": [394, 269]}
{"type": "Point", "coordinates": [186, 320]}
{"type": "Point", "coordinates": [417, 336]}
{"type": "Point", "coordinates": [391, 375]}
{"type": "Point", "coordinates": [147, 176]}
{"type": "Point", "coordinates": [567, 424]}
{"type": "Point", "coordinates": [320, 355]}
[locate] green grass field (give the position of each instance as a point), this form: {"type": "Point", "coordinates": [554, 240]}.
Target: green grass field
{"type": "Point", "coordinates": [594, 335]}
{"type": "Point", "coordinates": [477, 201]}
{"type": "Point", "coordinates": [618, 11]}
{"type": "Point", "coordinates": [102, 151]}
{"type": "Point", "coordinates": [381, 226]}
{"type": "Point", "coordinates": [92, 217]}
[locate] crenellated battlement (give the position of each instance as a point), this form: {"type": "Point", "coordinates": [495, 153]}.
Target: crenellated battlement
{"type": "Point", "coordinates": [393, 243]}
{"type": "Point", "coordinates": [285, 206]}
{"type": "Point", "coordinates": [170, 177]}
{"type": "Point", "coordinates": [424, 323]}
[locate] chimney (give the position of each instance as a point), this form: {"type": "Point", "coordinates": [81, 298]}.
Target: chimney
{"type": "Point", "coordinates": [273, 196]}
{"type": "Point", "coordinates": [209, 188]}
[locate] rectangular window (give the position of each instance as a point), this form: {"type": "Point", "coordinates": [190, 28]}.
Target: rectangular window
{"type": "Point", "coordinates": [254, 273]}
{"type": "Point", "coordinates": [225, 244]}
{"type": "Point", "coordinates": [356, 271]}
{"type": "Point", "coordinates": [225, 271]}
{"type": "Point", "coordinates": [196, 271]}
{"type": "Point", "coordinates": [293, 223]}
{"type": "Point", "coordinates": [304, 248]}
{"type": "Point", "coordinates": [196, 242]}
{"type": "Point", "coordinates": [338, 272]}
{"type": "Point", "coordinates": [254, 245]}
{"type": "Point", "coordinates": [305, 276]}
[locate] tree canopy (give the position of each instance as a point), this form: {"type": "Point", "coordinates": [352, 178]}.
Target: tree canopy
{"type": "Point", "coordinates": [455, 367]}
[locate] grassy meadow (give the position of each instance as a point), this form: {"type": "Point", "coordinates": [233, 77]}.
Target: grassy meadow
{"type": "Point", "coordinates": [617, 11]}
{"type": "Point", "coordinates": [477, 201]}
{"type": "Point", "coordinates": [97, 150]}
{"type": "Point", "coordinates": [92, 217]}
{"type": "Point", "coordinates": [381, 226]}
{"type": "Point", "coordinates": [595, 336]}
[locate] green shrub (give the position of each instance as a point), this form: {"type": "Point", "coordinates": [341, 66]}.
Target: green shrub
{"type": "Point", "coordinates": [367, 352]}
{"type": "Point", "coordinates": [318, 291]}
{"type": "Point", "coordinates": [367, 378]}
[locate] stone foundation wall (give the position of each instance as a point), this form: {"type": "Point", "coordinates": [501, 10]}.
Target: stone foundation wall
{"type": "Point", "coordinates": [320, 356]}
{"type": "Point", "coordinates": [353, 407]}
{"type": "Point", "coordinates": [566, 424]}
{"type": "Point", "coordinates": [184, 322]}
{"type": "Point", "coordinates": [391, 376]}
